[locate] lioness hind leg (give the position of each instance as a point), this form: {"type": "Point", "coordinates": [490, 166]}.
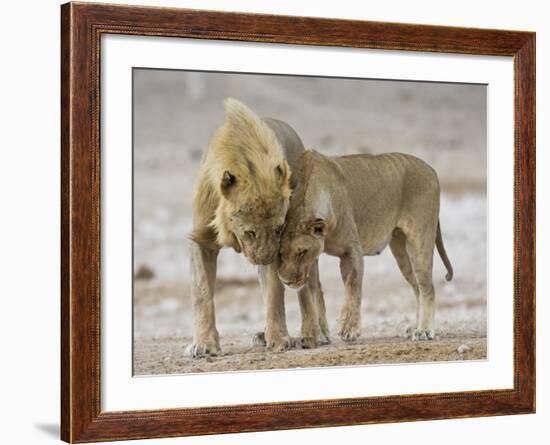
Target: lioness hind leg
{"type": "Point", "coordinates": [421, 250]}
{"type": "Point", "coordinates": [398, 246]}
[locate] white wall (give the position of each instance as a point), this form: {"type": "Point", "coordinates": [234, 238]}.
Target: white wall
{"type": "Point", "coordinates": [29, 228]}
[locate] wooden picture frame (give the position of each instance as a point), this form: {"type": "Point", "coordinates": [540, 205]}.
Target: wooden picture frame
{"type": "Point", "coordinates": [82, 25]}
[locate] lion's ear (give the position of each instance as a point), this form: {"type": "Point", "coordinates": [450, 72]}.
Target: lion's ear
{"type": "Point", "coordinates": [228, 183]}
{"type": "Point", "coordinates": [318, 227]}
{"type": "Point", "coordinates": [283, 172]}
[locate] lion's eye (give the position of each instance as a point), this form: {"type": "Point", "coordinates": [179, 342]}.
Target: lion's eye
{"type": "Point", "coordinates": [250, 234]}
{"type": "Point", "coordinates": [279, 230]}
{"type": "Point", "coordinates": [302, 252]}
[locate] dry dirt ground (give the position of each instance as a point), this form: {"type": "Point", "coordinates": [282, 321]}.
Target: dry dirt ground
{"type": "Point", "coordinates": [176, 114]}
{"type": "Point", "coordinates": [164, 326]}
{"type": "Point", "coordinates": [165, 355]}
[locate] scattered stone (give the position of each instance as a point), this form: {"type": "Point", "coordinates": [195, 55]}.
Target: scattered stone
{"type": "Point", "coordinates": [463, 348]}
{"type": "Point", "coordinates": [144, 273]}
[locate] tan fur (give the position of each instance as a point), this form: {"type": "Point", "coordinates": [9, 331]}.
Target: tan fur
{"type": "Point", "coordinates": [352, 206]}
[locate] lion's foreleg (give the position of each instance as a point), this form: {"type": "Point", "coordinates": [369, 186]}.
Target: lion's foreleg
{"type": "Point", "coordinates": [312, 306]}
{"type": "Point", "coordinates": [203, 277]}
{"type": "Point", "coordinates": [351, 268]}
{"type": "Point", "coordinates": [310, 315]}
{"type": "Point", "coordinates": [323, 323]}
{"type": "Point", "coordinates": [276, 333]}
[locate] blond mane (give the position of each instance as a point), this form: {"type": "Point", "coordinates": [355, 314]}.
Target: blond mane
{"type": "Point", "coordinates": [248, 148]}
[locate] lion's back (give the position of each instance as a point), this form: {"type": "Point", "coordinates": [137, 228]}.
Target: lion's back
{"type": "Point", "coordinates": [382, 188]}
{"type": "Point", "coordinates": [380, 170]}
{"type": "Point", "coordinates": [292, 145]}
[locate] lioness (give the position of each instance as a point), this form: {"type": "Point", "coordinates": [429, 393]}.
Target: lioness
{"type": "Point", "coordinates": [240, 200]}
{"type": "Point", "coordinates": [351, 206]}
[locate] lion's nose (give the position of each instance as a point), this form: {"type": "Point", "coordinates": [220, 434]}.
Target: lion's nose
{"type": "Point", "coordinates": [293, 284]}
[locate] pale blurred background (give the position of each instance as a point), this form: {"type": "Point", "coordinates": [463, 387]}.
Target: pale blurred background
{"type": "Point", "coordinates": [176, 113]}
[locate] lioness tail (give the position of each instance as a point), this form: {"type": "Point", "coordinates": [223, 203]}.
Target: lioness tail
{"type": "Point", "coordinates": [443, 254]}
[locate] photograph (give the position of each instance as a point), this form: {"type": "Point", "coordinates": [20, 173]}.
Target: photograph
{"type": "Point", "coordinates": [284, 221]}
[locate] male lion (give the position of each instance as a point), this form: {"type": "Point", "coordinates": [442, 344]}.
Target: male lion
{"type": "Point", "coordinates": [240, 200]}
{"type": "Point", "coordinates": [351, 206]}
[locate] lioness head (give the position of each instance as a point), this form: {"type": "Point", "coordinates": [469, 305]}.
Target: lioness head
{"type": "Point", "coordinates": [307, 222]}
{"type": "Point", "coordinates": [301, 245]}
{"type": "Point", "coordinates": [248, 169]}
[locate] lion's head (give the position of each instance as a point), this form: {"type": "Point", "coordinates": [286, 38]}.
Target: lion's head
{"type": "Point", "coordinates": [255, 221]}
{"type": "Point", "coordinates": [248, 170]}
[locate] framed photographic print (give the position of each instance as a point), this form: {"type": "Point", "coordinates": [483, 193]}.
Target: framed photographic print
{"type": "Point", "coordinates": [274, 222]}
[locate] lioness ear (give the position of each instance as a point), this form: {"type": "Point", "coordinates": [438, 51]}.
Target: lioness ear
{"type": "Point", "coordinates": [228, 182]}
{"type": "Point", "coordinates": [318, 227]}
{"type": "Point", "coordinates": [283, 172]}
{"type": "Point", "coordinates": [236, 245]}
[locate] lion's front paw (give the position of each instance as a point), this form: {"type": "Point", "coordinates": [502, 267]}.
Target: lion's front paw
{"type": "Point", "coordinates": [350, 329]}
{"type": "Point", "coordinates": [421, 334]}
{"type": "Point", "coordinates": [314, 337]}
{"type": "Point", "coordinates": [349, 335]}
{"type": "Point", "coordinates": [259, 339]}
{"type": "Point", "coordinates": [280, 344]}
{"type": "Point", "coordinates": [199, 349]}
{"type": "Point", "coordinates": [309, 342]}
{"type": "Point", "coordinates": [311, 335]}
{"type": "Point", "coordinates": [324, 338]}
